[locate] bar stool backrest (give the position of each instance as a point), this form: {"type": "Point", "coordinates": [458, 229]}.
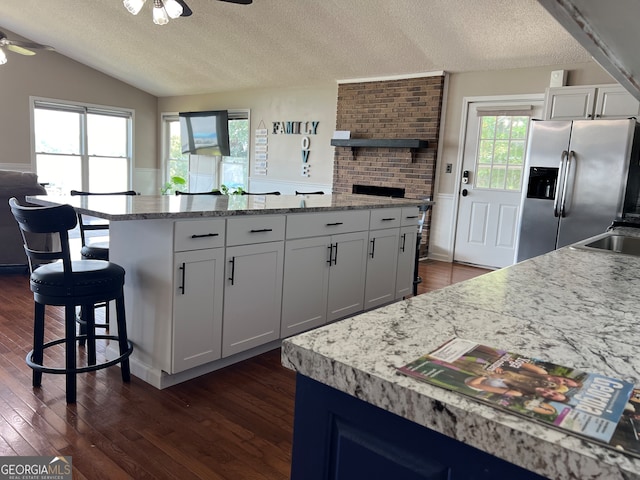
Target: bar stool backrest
{"type": "Point", "coordinates": [262, 193]}
{"type": "Point", "coordinates": [42, 220]}
{"type": "Point", "coordinates": [214, 192]}
{"type": "Point", "coordinates": [83, 222]}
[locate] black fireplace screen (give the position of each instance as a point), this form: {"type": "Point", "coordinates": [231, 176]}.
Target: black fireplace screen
{"type": "Point", "coordinates": [379, 191]}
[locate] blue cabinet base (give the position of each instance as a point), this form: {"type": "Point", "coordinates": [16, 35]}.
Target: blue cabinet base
{"type": "Point", "coordinates": [339, 437]}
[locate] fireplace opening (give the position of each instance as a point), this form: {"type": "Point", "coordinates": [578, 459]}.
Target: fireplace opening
{"type": "Point", "coordinates": [378, 191]}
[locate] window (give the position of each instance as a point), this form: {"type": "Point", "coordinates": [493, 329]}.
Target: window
{"type": "Point", "coordinates": [501, 152]}
{"type": "Point", "coordinates": [81, 147]}
{"type": "Point", "coordinates": [203, 172]}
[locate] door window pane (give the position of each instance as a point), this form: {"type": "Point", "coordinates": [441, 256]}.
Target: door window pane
{"type": "Point", "coordinates": [501, 151]}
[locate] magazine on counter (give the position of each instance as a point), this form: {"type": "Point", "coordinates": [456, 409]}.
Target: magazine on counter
{"type": "Point", "coordinates": [626, 437]}
{"type": "Point", "coordinates": [587, 404]}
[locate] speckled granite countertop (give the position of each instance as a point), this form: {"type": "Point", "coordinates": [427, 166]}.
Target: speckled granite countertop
{"type": "Point", "coordinates": [571, 307]}
{"type": "Point", "coordinates": [142, 207]}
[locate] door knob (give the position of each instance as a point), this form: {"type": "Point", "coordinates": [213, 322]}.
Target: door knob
{"type": "Point", "coordinates": [465, 192]}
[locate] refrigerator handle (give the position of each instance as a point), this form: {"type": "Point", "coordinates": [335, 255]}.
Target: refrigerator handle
{"type": "Point", "coordinates": [566, 180]}
{"type": "Point", "coordinates": [561, 169]}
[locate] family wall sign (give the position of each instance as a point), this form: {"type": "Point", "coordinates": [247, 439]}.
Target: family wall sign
{"type": "Point", "coordinates": [299, 128]}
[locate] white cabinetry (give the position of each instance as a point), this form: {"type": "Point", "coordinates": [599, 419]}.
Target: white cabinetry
{"type": "Point", "coordinates": [253, 285]}
{"type": "Point", "coordinates": [198, 293]}
{"type": "Point", "coordinates": [325, 267]}
{"type": "Point", "coordinates": [382, 257]}
{"type": "Point", "coordinates": [407, 251]}
{"type": "Point", "coordinates": [598, 102]}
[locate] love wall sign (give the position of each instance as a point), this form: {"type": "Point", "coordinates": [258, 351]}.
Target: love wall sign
{"type": "Point", "coordinates": [299, 128]}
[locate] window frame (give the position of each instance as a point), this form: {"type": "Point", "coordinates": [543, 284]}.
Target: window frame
{"type": "Point", "coordinates": [166, 117]}
{"type": "Point", "coordinates": [83, 109]}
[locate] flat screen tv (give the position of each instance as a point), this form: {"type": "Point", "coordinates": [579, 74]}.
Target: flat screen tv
{"type": "Point", "coordinates": [205, 133]}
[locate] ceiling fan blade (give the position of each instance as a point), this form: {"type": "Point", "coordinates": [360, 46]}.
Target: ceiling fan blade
{"type": "Point", "coordinates": [239, 2]}
{"type": "Point", "coordinates": [19, 49]}
{"type": "Point", "coordinates": [186, 11]}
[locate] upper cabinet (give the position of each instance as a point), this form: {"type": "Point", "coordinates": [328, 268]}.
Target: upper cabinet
{"type": "Point", "coordinates": [589, 102]}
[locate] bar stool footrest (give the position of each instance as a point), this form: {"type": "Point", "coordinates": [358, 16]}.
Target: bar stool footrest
{"type": "Point", "coordinates": [88, 368]}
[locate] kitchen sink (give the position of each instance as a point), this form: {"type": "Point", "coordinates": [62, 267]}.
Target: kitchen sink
{"type": "Point", "coordinates": [613, 243]}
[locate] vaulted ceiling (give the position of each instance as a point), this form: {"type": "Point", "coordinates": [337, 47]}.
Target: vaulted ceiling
{"type": "Point", "coordinates": [287, 43]}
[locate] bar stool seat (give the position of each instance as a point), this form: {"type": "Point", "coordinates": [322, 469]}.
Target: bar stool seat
{"type": "Point", "coordinates": [70, 283]}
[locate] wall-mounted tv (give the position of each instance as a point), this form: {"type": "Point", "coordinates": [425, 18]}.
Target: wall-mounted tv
{"type": "Point", "coordinates": [205, 133]}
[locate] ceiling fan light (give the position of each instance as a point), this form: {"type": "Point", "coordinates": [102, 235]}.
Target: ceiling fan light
{"type": "Point", "coordinates": [173, 8]}
{"type": "Point", "coordinates": [134, 6]}
{"type": "Point", "coordinates": [160, 16]}
{"type": "Point", "coordinates": [3, 57]}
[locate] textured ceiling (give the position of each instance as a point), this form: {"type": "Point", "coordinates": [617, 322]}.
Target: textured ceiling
{"type": "Point", "coordinates": [286, 43]}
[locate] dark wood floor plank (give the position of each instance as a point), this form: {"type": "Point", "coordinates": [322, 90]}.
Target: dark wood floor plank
{"type": "Point", "coordinates": [232, 424]}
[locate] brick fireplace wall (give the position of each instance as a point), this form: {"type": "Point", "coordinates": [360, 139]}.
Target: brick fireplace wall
{"type": "Point", "coordinates": [406, 108]}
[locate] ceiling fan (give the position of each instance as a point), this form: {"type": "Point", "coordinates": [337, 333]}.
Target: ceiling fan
{"type": "Point", "coordinates": [163, 10]}
{"type": "Point", "coordinates": [187, 11]}
{"type": "Point", "coordinates": [18, 46]}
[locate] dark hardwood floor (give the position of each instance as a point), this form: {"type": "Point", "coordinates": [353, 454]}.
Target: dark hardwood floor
{"type": "Point", "coordinates": [233, 424]}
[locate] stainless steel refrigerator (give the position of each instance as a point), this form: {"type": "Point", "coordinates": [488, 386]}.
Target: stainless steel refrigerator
{"type": "Point", "coordinates": [579, 176]}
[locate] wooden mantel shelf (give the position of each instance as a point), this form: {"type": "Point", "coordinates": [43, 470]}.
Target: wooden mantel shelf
{"type": "Point", "coordinates": [411, 143]}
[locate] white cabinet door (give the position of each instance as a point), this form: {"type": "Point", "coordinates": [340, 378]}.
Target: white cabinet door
{"type": "Point", "coordinates": [306, 284]}
{"type": "Point", "coordinates": [599, 102]}
{"type": "Point", "coordinates": [569, 103]}
{"type": "Point", "coordinates": [347, 274]}
{"type": "Point", "coordinates": [382, 260]}
{"type": "Point", "coordinates": [615, 102]}
{"type": "Point", "coordinates": [252, 296]}
{"type": "Point", "coordinates": [197, 308]}
{"type": "Point", "coordinates": [406, 261]}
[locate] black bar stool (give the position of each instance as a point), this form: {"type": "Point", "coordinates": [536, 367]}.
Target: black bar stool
{"type": "Point", "coordinates": [95, 250]}
{"type": "Point", "coordinates": [69, 283]}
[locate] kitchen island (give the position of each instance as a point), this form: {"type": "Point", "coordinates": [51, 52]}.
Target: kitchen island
{"type": "Point", "coordinates": [357, 418]}
{"type": "Point", "coordinates": [212, 280]}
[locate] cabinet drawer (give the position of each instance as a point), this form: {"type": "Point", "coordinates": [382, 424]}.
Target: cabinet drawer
{"type": "Point", "coordinates": [198, 234]}
{"type": "Point", "coordinates": [255, 229]}
{"type": "Point", "coordinates": [410, 216]}
{"type": "Point", "coordinates": [385, 218]}
{"type": "Point", "coordinates": [326, 223]}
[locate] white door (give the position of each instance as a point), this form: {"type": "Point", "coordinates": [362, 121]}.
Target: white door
{"type": "Point", "coordinates": [491, 183]}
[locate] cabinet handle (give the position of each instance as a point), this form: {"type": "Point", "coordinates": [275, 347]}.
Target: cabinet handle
{"type": "Point", "coordinates": [334, 224]}
{"type": "Point", "coordinates": [373, 246]}
{"type": "Point", "coordinates": [330, 247]}
{"type": "Point", "coordinates": [183, 267]}
{"type": "Point", "coordinates": [233, 269]}
{"type": "Point", "coordinates": [388, 219]}
{"type": "Point", "coordinates": [205, 235]}
{"type": "Point", "coordinates": [411, 217]}
{"type": "Point", "coordinates": [261, 230]}
{"type": "Point", "coordinates": [335, 254]}
{"type": "Point", "coordinates": [404, 240]}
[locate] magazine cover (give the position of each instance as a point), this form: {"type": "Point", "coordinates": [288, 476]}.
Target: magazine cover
{"type": "Point", "coordinates": [587, 404]}
{"type": "Point", "coordinates": [627, 434]}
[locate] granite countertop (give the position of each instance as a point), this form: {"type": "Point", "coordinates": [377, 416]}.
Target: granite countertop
{"type": "Point", "coordinates": [572, 307]}
{"type": "Point", "coordinates": [142, 207]}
